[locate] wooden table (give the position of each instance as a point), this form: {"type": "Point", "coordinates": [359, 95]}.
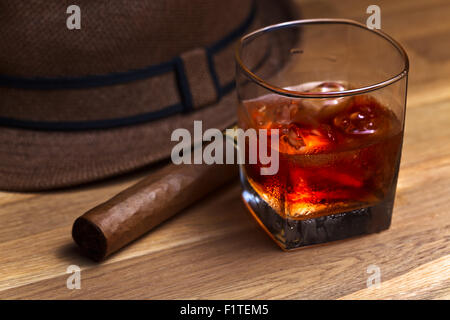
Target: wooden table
{"type": "Point", "coordinates": [215, 250]}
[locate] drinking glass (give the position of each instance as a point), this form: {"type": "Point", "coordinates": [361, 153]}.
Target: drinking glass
{"type": "Point", "coordinates": [332, 93]}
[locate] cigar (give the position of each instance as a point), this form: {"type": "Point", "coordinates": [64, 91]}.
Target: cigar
{"type": "Point", "coordinates": [133, 212]}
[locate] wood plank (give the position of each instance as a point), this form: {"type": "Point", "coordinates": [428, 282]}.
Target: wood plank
{"type": "Point", "coordinates": [428, 281]}
{"type": "Point", "coordinates": [58, 251]}
{"type": "Point", "coordinates": [215, 250]}
{"type": "Point", "coordinates": [396, 248]}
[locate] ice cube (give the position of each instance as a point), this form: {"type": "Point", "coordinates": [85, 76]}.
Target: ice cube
{"type": "Point", "coordinates": [294, 136]}
{"type": "Point", "coordinates": [364, 117]}
{"type": "Point", "coordinates": [308, 139]}
{"type": "Point", "coordinates": [282, 114]}
{"type": "Point", "coordinates": [325, 108]}
{"type": "Point", "coordinates": [259, 115]}
{"type": "Point", "coordinates": [328, 87]}
{"type": "Point", "coordinates": [319, 138]}
{"type": "Point", "coordinates": [303, 115]}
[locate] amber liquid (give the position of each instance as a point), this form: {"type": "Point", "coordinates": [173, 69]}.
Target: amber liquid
{"type": "Point", "coordinates": [334, 160]}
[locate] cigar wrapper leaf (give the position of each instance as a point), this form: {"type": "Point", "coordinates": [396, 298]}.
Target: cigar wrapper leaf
{"type": "Point", "coordinates": [133, 212]}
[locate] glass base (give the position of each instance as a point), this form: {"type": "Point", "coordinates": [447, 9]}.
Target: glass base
{"type": "Point", "coordinates": [291, 234]}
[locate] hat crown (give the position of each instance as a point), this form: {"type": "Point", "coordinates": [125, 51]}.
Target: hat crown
{"type": "Point", "coordinates": [115, 36]}
{"type": "Point", "coordinates": [148, 61]}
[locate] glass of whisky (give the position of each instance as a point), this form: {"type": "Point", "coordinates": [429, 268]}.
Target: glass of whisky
{"type": "Point", "coordinates": [333, 93]}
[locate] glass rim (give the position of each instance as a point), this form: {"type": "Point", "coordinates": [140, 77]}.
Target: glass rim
{"type": "Point", "coordinates": [331, 94]}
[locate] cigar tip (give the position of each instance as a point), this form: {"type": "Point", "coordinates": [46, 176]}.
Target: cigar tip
{"type": "Point", "coordinates": [89, 238]}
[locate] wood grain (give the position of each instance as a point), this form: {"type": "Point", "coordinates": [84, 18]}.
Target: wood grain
{"type": "Point", "coordinates": [421, 280]}
{"type": "Point", "coordinates": [214, 249]}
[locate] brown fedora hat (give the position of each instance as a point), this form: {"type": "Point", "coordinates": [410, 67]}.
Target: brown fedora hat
{"type": "Point", "coordinates": [80, 105]}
